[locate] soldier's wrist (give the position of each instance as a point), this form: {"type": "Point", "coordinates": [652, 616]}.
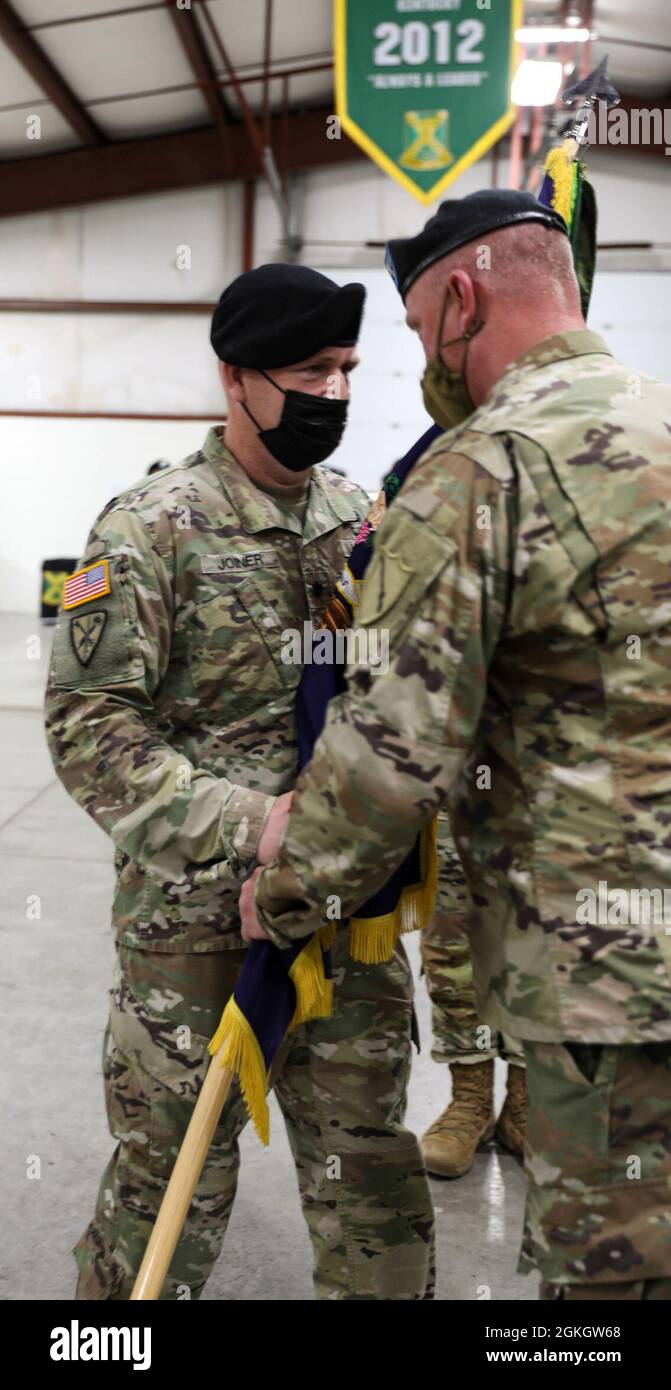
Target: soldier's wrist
{"type": "Point", "coordinates": [278, 938]}
{"type": "Point", "coordinates": [244, 819]}
{"type": "Point", "coordinates": [294, 926]}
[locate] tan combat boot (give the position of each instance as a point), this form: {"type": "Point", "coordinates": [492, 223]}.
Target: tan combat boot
{"type": "Point", "coordinates": [449, 1145]}
{"type": "Point", "coordinates": [512, 1121]}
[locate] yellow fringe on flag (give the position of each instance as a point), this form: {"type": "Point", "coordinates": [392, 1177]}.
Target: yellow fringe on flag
{"type": "Point", "coordinates": [314, 993]}
{"type": "Point", "coordinates": [372, 939]}
{"type": "Point", "coordinates": [241, 1052]}
{"type": "Point", "coordinates": [563, 172]}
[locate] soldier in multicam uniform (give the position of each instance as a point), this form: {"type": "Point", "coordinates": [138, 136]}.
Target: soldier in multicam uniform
{"type": "Point", "coordinates": [460, 1038]}
{"type": "Point", "coordinates": [523, 575]}
{"type": "Point", "coordinates": [170, 717]}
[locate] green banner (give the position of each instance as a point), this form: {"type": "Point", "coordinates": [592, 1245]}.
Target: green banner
{"type": "Point", "coordinates": [423, 86]}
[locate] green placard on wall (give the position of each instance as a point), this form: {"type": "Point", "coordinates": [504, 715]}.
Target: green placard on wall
{"type": "Point", "coordinates": [423, 86]}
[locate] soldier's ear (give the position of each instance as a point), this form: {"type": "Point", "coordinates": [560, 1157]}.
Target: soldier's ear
{"type": "Point", "coordinates": [462, 295]}
{"type": "Point", "coordinates": [232, 382]}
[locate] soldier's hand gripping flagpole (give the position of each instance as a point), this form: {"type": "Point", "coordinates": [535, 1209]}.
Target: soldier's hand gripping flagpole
{"type": "Point", "coordinates": [183, 1182]}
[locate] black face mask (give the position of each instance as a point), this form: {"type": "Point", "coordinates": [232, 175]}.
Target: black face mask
{"type": "Point", "coordinates": [310, 428]}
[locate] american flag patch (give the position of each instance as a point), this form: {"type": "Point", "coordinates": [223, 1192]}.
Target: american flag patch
{"type": "Point", "coordinates": [91, 582]}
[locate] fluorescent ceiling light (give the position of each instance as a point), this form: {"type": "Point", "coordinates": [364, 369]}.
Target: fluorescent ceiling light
{"type": "Point", "coordinates": [548, 33]}
{"type": "Point", "coordinates": [536, 83]}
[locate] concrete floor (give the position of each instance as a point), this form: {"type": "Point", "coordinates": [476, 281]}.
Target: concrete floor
{"type": "Point", "coordinates": [55, 975]}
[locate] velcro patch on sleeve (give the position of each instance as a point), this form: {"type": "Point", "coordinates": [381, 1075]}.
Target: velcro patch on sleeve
{"type": "Point", "coordinates": [91, 582]}
{"type": "Point", "coordinates": [423, 502]}
{"type": "Point", "coordinates": [85, 634]}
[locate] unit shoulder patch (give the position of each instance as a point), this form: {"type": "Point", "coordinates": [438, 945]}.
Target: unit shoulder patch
{"type": "Point", "coordinates": [85, 634]}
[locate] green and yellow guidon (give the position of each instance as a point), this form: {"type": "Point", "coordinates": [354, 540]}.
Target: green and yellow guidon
{"type": "Point", "coordinates": [53, 584]}
{"type": "Point", "coordinates": [425, 91]}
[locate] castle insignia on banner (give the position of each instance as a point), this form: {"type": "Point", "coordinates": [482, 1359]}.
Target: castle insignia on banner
{"type": "Point", "coordinates": [426, 144]}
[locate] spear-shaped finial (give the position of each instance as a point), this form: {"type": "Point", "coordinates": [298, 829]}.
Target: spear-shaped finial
{"type": "Point", "coordinates": [595, 87]}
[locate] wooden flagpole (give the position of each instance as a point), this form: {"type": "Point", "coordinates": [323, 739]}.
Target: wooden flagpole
{"type": "Point", "coordinates": [183, 1182]}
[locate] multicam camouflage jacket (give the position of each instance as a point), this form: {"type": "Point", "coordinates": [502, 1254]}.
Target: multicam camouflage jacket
{"type": "Point", "coordinates": [524, 577]}
{"type": "Point", "coordinates": [169, 709]}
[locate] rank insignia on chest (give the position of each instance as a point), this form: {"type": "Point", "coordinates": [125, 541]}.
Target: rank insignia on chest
{"type": "Point", "coordinates": [85, 634]}
{"type": "Point", "coordinates": [91, 582]}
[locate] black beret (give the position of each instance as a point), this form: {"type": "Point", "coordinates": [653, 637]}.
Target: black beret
{"type": "Point", "coordinates": [279, 314]}
{"type": "Point", "coordinates": [458, 221]}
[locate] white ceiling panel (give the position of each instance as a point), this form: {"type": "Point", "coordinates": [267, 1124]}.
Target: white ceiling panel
{"type": "Point", "coordinates": [15, 83]}
{"type": "Point", "coordinates": [46, 11]}
{"type": "Point", "coordinates": [299, 28]}
{"type": "Point", "coordinates": [622, 31]}
{"type": "Point", "coordinates": [649, 20]}
{"type": "Point", "coordinates": [55, 133]}
{"type": "Point", "coordinates": [313, 90]}
{"type": "Point", "coordinates": [128, 53]}
{"type": "Point", "coordinates": [644, 71]}
{"type": "Point", "coordinates": [148, 115]}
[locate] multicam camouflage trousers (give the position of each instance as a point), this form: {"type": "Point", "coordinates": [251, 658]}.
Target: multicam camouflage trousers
{"type": "Point", "coordinates": [458, 1033]}
{"type": "Point", "coordinates": [598, 1164]}
{"type": "Point", "coordinates": [341, 1084]}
